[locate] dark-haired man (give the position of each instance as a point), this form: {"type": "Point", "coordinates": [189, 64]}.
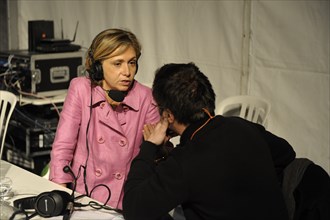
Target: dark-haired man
{"type": "Point", "coordinates": [223, 168]}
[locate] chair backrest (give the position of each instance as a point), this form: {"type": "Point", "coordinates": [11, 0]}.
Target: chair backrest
{"type": "Point", "coordinates": [306, 190]}
{"type": "Point", "coordinates": [7, 104]}
{"type": "Point", "coordinates": [251, 108]}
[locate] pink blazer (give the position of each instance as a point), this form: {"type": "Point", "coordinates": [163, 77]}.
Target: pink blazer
{"type": "Point", "coordinates": [114, 138]}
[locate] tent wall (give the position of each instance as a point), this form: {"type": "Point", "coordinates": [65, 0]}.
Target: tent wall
{"type": "Point", "coordinates": [290, 68]}
{"type": "Point", "coordinates": [278, 50]}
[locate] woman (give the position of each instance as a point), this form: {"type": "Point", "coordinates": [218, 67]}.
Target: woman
{"type": "Point", "coordinates": [101, 123]}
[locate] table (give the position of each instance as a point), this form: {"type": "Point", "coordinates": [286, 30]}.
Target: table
{"type": "Point", "coordinates": [26, 184]}
{"type": "Point", "coordinates": [25, 100]}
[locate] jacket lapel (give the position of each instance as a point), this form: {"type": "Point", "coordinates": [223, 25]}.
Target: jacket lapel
{"type": "Point", "coordinates": [105, 114]}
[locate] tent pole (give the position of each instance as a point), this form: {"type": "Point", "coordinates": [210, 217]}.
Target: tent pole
{"type": "Point", "coordinates": [244, 79]}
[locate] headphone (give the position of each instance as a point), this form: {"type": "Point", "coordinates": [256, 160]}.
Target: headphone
{"type": "Point", "coordinates": [57, 202]}
{"type": "Point", "coordinates": [96, 74]}
{"type": "Point", "coordinates": [46, 204]}
{"type": "Point", "coordinates": [96, 69]}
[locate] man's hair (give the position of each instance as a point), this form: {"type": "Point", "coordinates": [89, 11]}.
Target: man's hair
{"type": "Point", "coordinates": [185, 91]}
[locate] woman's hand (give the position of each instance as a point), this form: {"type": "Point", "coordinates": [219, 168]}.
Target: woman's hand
{"type": "Point", "coordinates": [63, 184]}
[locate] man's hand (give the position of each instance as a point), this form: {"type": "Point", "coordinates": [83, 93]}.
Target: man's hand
{"type": "Point", "coordinates": [156, 133]}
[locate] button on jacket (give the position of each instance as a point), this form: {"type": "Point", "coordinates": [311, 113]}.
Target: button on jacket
{"type": "Point", "coordinates": [114, 138]}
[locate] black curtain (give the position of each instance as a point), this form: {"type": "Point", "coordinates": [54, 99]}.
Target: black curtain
{"type": "Point", "coordinates": [4, 24]}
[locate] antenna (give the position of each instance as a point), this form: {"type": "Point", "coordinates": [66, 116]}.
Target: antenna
{"type": "Point", "coordinates": [62, 28]}
{"type": "Point", "coordinates": [75, 32]}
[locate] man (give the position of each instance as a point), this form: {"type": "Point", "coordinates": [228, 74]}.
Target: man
{"type": "Point", "coordinates": [223, 168]}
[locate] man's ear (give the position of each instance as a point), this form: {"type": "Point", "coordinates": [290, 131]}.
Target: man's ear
{"type": "Point", "coordinates": [168, 114]}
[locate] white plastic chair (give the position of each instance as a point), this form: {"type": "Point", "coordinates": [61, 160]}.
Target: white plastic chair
{"type": "Point", "coordinates": [8, 102]}
{"type": "Point", "coordinates": [251, 108]}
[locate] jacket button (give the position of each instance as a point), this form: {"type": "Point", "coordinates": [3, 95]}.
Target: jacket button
{"type": "Point", "coordinates": [102, 105]}
{"type": "Point", "coordinates": [122, 142]}
{"type": "Point", "coordinates": [118, 176]}
{"type": "Point", "coordinates": [101, 140]}
{"type": "Point", "coordinates": [98, 172]}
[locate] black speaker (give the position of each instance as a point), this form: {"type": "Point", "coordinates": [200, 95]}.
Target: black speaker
{"type": "Point", "coordinates": [46, 204]}
{"type": "Point", "coordinates": [39, 29]}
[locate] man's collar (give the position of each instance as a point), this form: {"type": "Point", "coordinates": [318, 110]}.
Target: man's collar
{"type": "Point", "coordinates": [190, 130]}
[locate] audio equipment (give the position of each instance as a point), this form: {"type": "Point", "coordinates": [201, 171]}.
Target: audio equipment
{"type": "Point", "coordinates": [92, 204]}
{"type": "Point", "coordinates": [96, 74]}
{"type": "Point", "coordinates": [49, 204]}
{"type": "Point", "coordinates": [67, 169]}
{"type": "Point", "coordinates": [96, 70]}
{"type": "Point", "coordinates": [116, 95]}
{"type": "Point", "coordinates": [38, 30]}
{"type": "Point", "coordinates": [57, 202]}
{"type": "Point", "coordinates": [46, 204]}
{"type": "Point", "coordinates": [49, 44]}
{"type": "Point", "coordinates": [43, 74]}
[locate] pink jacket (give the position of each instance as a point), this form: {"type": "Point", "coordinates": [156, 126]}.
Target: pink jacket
{"type": "Point", "coordinates": [114, 138]}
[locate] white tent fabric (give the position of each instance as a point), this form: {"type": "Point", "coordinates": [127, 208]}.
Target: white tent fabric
{"type": "Point", "coordinates": [278, 50]}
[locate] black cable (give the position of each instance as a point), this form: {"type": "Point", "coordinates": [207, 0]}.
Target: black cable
{"type": "Point", "coordinates": [87, 146]}
{"type": "Point", "coordinates": [109, 192]}
{"type": "Point", "coordinates": [12, 217]}
{"type": "Point", "coordinates": [21, 211]}
{"type": "Point", "coordinates": [98, 206]}
{"type": "Point", "coordinates": [33, 122]}
{"type": "Point", "coordinates": [33, 215]}
{"type": "Point", "coordinates": [92, 204]}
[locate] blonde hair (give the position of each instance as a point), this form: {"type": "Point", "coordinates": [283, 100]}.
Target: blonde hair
{"type": "Point", "coordinates": [108, 41]}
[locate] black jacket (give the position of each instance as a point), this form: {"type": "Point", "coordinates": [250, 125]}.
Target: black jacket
{"type": "Point", "coordinates": [225, 172]}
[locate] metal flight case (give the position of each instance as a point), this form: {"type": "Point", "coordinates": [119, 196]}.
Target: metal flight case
{"type": "Point", "coordinates": [43, 74]}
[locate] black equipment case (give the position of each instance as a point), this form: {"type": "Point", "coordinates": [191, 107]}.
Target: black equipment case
{"type": "Point", "coordinates": [44, 74]}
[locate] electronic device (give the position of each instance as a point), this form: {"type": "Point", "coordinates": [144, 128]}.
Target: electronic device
{"type": "Point", "coordinates": [54, 45]}
{"type": "Point", "coordinates": [60, 40]}
{"type": "Point", "coordinates": [46, 204]}
{"type": "Point", "coordinates": [49, 204]}
{"type": "Point", "coordinates": [44, 74]}
{"type": "Point", "coordinates": [57, 48]}
{"type": "Point", "coordinates": [37, 30]}
{"type": "Point", "coordinates": [96, 73]}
